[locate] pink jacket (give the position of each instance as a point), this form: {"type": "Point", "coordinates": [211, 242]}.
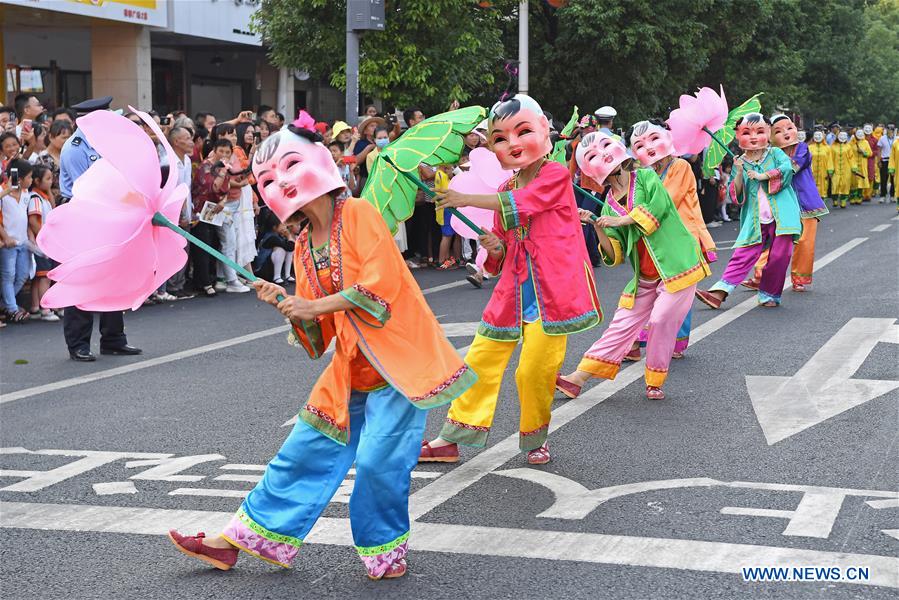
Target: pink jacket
{"type": "Point", "coordinates": [539, 226]}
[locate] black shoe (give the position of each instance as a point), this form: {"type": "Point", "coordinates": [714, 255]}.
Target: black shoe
{"type": "Point", "coordinates": [125, 350]}
{"type": "Point", "coordinates": [182, 295]}
{"type": "Point", "coordinates": [82, 355]}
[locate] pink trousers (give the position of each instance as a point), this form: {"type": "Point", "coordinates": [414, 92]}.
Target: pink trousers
{"type": "Point", "coordinates": [662, 311]}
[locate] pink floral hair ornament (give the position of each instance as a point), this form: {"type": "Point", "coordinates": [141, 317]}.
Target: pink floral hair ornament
{"type": "Point", "coordinates": [694, 123]}
{"type": "Point", "coordinates": [305, 121]}
{"type": "Point", "coordinates": [112, 256]}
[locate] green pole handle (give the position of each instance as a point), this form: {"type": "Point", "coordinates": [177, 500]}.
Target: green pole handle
{"type": "Point", "coordinates": [431, 194]}
{"type": "Point", "coordinates": [160, 220]}
{"type": "Point", "coordinates": [588, 195]}
{"type": "Point", "coordinates": [719, 142]}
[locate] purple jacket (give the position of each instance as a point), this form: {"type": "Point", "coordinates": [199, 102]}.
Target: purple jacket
{"type": "Point", "coordinates": [810, 202]}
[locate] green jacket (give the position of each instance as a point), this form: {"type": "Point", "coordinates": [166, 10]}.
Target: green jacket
{"type": "Point", "coordinates": [677, 256]}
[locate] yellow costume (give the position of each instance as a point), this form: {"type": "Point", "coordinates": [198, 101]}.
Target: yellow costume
{"type": "Point", "coordinates": [860, 171]}
{"type": "Point", "coordinates": [845, 164]}
{"type": "Point", "coordinates": [822, 165]}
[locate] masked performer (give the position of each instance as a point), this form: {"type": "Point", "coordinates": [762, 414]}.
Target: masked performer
{"type": "Point", "coordinates": [844, 155]}
{"type": "Point", "coordinates": [893, 170]}
{"type": "Point", "coordinates": [822, 162]}
{"type": "Point", "coordinates": [545, 291]}
{"type": "Point", "coordinates": [785, 136]}
{"type": "Point", "coordinates": [641, 224]}
{"type": "Point", "coordinates": [391, 361]}
{"type": "Point", "coordinates": [769, 217]}
{"type": "Point", "coordinates": [651, 143]}
{"type": "Point", "coordinates": [872, 136]}
{"type": "Point", "coordinates": [860, 182]}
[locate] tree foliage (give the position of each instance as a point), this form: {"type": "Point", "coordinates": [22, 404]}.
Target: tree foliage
{"type": "Point", "coordinates": [827, 59]}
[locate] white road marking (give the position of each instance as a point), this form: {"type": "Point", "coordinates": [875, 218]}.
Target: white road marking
{"type": "Point", "coordinates": [242, 467]}
{"type": "Point", "coordinates": [596, 548]}
{"type": "Point", "coordinates": [893, 533]}
{"type": "Point", "coordinates": [110, 488]}
{"type": "Point", "coordinates": [822, 388]}
{"type": "Point", "coordinates": [246, 478]}
{"type": "Point", "coordinates": [888, 503]}
{"type": "Point", "coordinates": [168, 468]}
{"type": "Point", "coordinates": [472, 470]}
{"type": "Point", "coordinates": [161, 360]}
{"type": "Point", "coordinates": [209, 492]}
{"type": "Point", "coordinates": [87, 461]}
{"type": "Point", "coordinates": [881, 227]}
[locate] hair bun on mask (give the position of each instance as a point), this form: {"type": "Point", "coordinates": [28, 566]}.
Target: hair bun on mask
{"type": "Point", "coordinates": [309, 134]}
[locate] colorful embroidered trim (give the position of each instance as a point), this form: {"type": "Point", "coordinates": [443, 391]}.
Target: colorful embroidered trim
{"type": "Point", "coordinates": [449, 390]}
{"type": "Point", "coordinates": [617, 257]}
{"type": "Point", "coordinates": [312, 332]}
{"type": "Point", "coordinates": [531, 440]}
{"type": "Point", "coordinates": [243, 532]}
{"type": "Point", "coordinates": [691, 276]}
{"type": "Point", "coordinates": [646, 221]}
{"type": "Point", "coordinates": [775, 180]}
{"type": "Point", "coordinates": [574, 325]}
{"type": "Point", "coordinates": [499, 334]}
{"type": "Point", "coordinates": [765, 297]}
{"type": "Point", "coordinates": [655, 377]}
{"type": "Point", "coordinates": [369, 302]}
{"type": "Point", "coordinates": [375, 550]}
{"type": "Point", "coordinates": [324, 424]}
{"type": "Point", "coordinates": [599, 367]}
{"type": "Point", "coordinates": [463, 433]}
{"type": "Point", "coordinates": [508, 210]}
{"type": "Point", "coordinates": [724, 286]}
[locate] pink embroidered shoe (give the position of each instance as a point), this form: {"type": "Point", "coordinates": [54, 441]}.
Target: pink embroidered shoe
{"type": "Point", "coordinates": [634, 355]}
{"type": "Point", "coordinates": [192, 545]}
{"type": "Point", "coordinates": [798, 287]}
{"type": "Point", "coordinates": [570, 390]}
{"type": "Point", "coordinates": [654, 393]}
{"type": "Point", "coordinates": [444, 454]}
{"type": "Point", "coordinates": [540, 456]}
{"type": "Point", "coordinates": [752, 283]}
{"type": "Point", "coordinates": [397, 569]}
{"type": "Point", "coordinates": [709, 299]}
{"type": "Point", "coordinates": [677, 355]}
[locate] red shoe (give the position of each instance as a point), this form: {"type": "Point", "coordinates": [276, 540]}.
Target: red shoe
{"type": "Point", "coordinates": [540, 456]}
{"type": "Point", "coordinates": [444, 454]}
{"type": "Point", "coordinates": [798, 287]}
{"type": "Point", "coordinates": [570, 390]}
{"type": "Point", "coordinates": [677, 355]}
{"type": "Point", "coordinates": [708, 299]}
{"type": "Point", "coordinates": [752, 283]}
{"type": "Point", "coordinates": [192, 545]}
{"type": "Point", "coordinates": [654, 393]}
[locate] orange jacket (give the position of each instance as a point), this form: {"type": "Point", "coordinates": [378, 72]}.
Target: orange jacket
{"type": "Point", "coordinates": [680, 183]}
{"type": "Point", "coordinates": [392, 326]}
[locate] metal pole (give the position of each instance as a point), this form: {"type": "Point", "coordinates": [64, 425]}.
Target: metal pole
{"type": "Point", "coordinates": [352, 73]}
{"type": "Point", "coordinates": [523, 47]}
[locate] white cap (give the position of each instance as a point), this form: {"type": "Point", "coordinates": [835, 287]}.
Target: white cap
{"type": "Point", "coordinates": [606, 112]}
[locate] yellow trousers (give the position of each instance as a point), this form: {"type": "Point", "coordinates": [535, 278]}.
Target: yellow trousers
{"type": "Point", "coordinates": [471, 414]}
{"type": "Point", "coordinates": [803, 262]}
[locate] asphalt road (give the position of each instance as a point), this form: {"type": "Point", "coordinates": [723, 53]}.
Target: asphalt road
{"type": "Point", "coordinates": [691, 489]}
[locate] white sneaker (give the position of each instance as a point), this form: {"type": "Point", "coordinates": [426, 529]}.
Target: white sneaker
{"type": "Point", "coordinates": [49, 316]}
{"type": "Point", "coordinates": [236, 287]}
{"type": "Point", "coordinates": [166, 297]}
{"type": "Point", "coordinates": [220, 286]}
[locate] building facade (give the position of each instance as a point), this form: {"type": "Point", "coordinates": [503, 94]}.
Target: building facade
{"type": "Point", "coordinates": [195, 55]}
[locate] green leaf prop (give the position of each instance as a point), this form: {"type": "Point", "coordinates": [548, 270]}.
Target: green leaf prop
{"type": "Point", "coordinates": [435, 141]}
{"type": "Point", "coordinates": [715, 153]}
{"type": "Point", "coordinates": [558, 153]}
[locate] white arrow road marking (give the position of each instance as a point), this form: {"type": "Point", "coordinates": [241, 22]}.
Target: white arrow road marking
{"type": "Point", "coordinates": [893, 533]}
{"type": "Point", "coordinates": [595, 548]}
{"type": "Point", "coordinates": [114, 487]}
{"type": "Point", "coordinates": [822, 388]}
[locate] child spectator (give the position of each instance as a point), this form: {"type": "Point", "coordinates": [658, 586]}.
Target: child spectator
{"type": "Point", "coordinates": [346, 173]}
{"type": "Point", "coordinates": [275, 257]}
{"type": "Point", "coordinates": [15, 259]}
{"type": "Point", "coordinates": [39, 206]}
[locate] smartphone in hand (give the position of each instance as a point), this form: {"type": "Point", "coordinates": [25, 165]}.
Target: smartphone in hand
{"type": "Point", "coordinates": [14, 179]}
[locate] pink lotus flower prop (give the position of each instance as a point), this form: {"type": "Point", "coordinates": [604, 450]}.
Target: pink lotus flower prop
{"type": "Point", "coordinates": [484, 176]}
{"type": "Point", "coordinates": [696, 120]}
{"type": "Point", "coordinates": [112, 256]}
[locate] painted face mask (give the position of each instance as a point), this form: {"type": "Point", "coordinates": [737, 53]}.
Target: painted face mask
{"type": "Point", "coordinates": [598, 155]}
{"type": "Point", "coordinates": [518, 132]}
{"type": "Point", "coordinates": [801, 136]}
{"type": "Point", "coordinates": [868, 129]}
{"type": "Point", "coordinates": [843, 137]}
{"type": "Point", "coordinates": [783, 132]}
{"type": "Point", "coordinates": [650, 143]}
{"type": "Point", "coordinates": [818, 136]}
{"type": "Point", "coordinates": [860, 134]}
{"type": "Point", "coordinates": [291, 171]}
{"type": "Point", "coordinates": [753, 132]}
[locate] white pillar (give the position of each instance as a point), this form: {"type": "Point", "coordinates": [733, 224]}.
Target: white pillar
{"type": "Point", "coordinates": [523, 47]}
{"type": "Point", "coordinates": [285, 95]}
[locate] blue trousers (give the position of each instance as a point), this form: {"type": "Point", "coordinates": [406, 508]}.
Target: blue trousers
{"type": "Point", "coordinates": [384, 442]}
{"type": "Point", "coordinates": [15, 263]}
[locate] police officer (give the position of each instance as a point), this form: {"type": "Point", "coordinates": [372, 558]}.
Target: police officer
{"type": "Point", "coordinates": [606, 118]}
{"type": "Point", "coordinates": [76, 157]}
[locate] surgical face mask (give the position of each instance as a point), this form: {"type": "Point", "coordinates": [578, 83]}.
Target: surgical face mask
{"type": "Point", "coordinates": [818, 136]}
{"type": "Point", "coordinates": [860, 134]}
{"type": "Point", "coordinates": [382, 143]}
{"type": "Point", "coordinates": [842, 137]}
{"type": "Point", "coordinates": [868, 130]}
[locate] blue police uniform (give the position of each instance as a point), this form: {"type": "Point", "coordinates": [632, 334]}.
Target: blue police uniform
{"type": "Point", "coordinates": [76, 157]}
